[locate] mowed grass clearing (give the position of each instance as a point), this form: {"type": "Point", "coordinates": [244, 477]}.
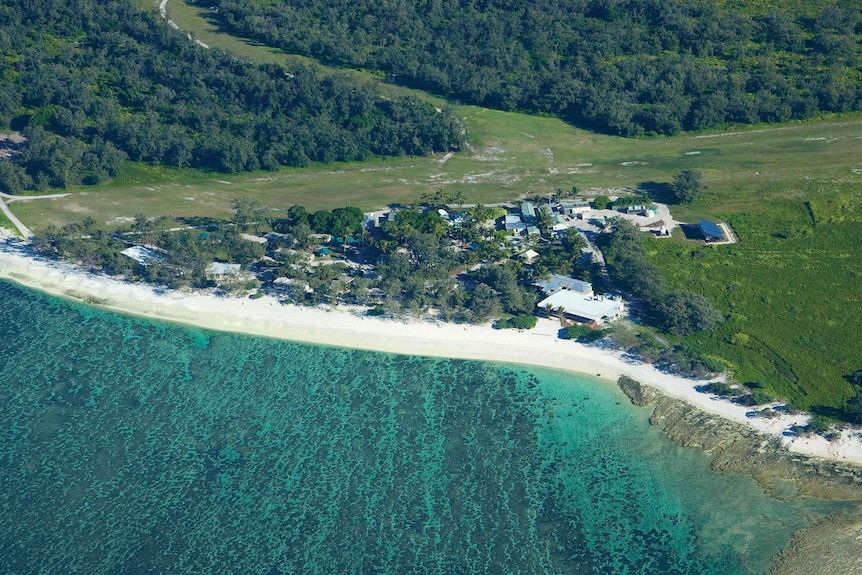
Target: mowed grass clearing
{"type": "Point", "coordinates": [507, 155]}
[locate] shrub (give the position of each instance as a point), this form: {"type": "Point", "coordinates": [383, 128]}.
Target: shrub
{"type": "Point", "coordinates": [818, 424]}
{"type": "Point", "coordinates": [761, 396]}
{"type": "Point", "coordinates": [523, 321]}
{"type": "Point", "coordinates": [687, 186]}
{"type": "Point", "coordinates": [740, 339]}
{"type": "Point", "coordinates": [720, 388]}
{"type": "Point", "coordinates": [601, 202]}
{"type": "Point", "coordinates": [582, 333]}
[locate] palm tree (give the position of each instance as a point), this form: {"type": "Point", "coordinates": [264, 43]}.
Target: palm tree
{"type": "Point", "coordinates": [544, 219]}
{"type": "Point", "coordinates": [561, 313]}
{"type": "Point", "coordinates": [440, 197]}
{"type": "Point", "coordinates": [576, 240]}
{"type": "Point", "coordinates": [458, 198]}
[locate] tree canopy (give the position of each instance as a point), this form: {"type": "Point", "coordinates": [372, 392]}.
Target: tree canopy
{"type": "Point", "coordinates": [91, 84]}
{"type": "Point", "coordinates": [679, 312]}
{"type": "Point", "coordinates": [626, 67]}
{"type": "Point", "coordinates": [688, 186]}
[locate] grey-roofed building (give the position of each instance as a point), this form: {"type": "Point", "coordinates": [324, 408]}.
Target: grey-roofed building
{"type": "Point", "coordinates": [512, 222]}
{"type": "Point", "coordinates": [291, 286]}
{"type": "Point", "coordinates": [574, 206]}
{"type": "Point", "coordinates": [557, 282]}
{"type": "Point", "coordinates": [221, 269]}
{"type": "Point", "coordinates": [711, 231]}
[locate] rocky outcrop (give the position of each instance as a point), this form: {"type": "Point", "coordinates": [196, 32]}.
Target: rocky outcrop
{"type": "Point", "coordinates": [832, 546]}
{"type": "Point", "coordinates": [737, 449]}
{"type": "Point", "coordinates": [640, 395]}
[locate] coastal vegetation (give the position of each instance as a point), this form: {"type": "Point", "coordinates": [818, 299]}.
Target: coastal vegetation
{"type": "Point", "coordinates": [630, 68]}
{"type": "Point", "coordinates": [90, 85]}
{"type": "Point", "coordinates": [413, 262]}
{"type": "Point", "coordinates": [788, 191]}
{"type": "Point", "coordinates": [786, 292]}
{"type": "Point", "coordinates": [679, 312]}
{"type": "Point", "coordinates": [776, 311]}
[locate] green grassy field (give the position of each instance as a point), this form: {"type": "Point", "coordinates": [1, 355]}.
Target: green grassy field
{"type": "Point", "coordinates": [790, 288]}
{"type": "Point", "coordinates": [508, 155]}
{"type": "Point", "coordinates": [790, 292]}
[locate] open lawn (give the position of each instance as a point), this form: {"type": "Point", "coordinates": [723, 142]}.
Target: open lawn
{"type": "Point", "coordinates": [790, 288]}
{"type": "Point", "coordinates": [508, 155]}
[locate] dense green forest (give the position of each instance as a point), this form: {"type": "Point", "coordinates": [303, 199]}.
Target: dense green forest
{"type": "Point", "coordinates": [91, 84]}
{"type": "Point", "coordinates": [626, 67]}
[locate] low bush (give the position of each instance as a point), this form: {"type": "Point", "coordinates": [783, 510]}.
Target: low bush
{"type": "Point", "coordinates": [818, 425]}
{"type": "Point", "coordinates": [582, 333]}
{"type": "Point", "coordinates": [720, 388]}
{"type": "Point", "coordinates": [518, 322]}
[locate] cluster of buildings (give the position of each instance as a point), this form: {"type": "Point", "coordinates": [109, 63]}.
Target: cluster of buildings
{"type": "Point", "coordinates": [522, 222]}
{"type": "Point", "coordinates": [561, 296]}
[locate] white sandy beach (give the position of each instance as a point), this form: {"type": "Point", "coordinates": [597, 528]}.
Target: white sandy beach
{"type": "Point", "coordinates": [339, 327]}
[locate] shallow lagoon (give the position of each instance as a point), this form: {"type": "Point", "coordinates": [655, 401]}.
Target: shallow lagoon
{"type": "Point", "coordinates": [131, 446]}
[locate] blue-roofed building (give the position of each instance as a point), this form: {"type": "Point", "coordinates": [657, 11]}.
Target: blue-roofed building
{"type": "Point", "coordinates": [711, 231]}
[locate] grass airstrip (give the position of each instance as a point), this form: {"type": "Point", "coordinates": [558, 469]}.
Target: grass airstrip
{"type": "Point", "coordinates": [790, 288]}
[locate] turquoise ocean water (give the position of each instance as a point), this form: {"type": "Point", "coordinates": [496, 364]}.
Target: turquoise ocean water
{"type": "Point", "coordinates": [129, 446]}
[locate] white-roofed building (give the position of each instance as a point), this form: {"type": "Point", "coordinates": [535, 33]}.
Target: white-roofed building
{"type": "Point", "coordinates": [142, 255]}
{"type": "Point", "coordinates": [560, 223]}
{"type": "Point", "coordinates": [218, 269]}
{"type": "Point", "coordinates": [529, 257]}
{"type": "Point", "coordinates": [291, 286]}
{"type": "Point", "coordinates": [594, 309]}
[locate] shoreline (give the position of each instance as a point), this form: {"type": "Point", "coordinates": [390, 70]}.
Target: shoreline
{"type": "Point", "coordinates": [539, 347]}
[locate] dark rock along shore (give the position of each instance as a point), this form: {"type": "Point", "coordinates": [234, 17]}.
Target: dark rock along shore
{"type": "Point", "coordinates": [831, 547]}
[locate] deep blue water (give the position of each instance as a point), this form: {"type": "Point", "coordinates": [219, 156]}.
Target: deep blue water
{"type": "Point", "coordinates": [131, 446]}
